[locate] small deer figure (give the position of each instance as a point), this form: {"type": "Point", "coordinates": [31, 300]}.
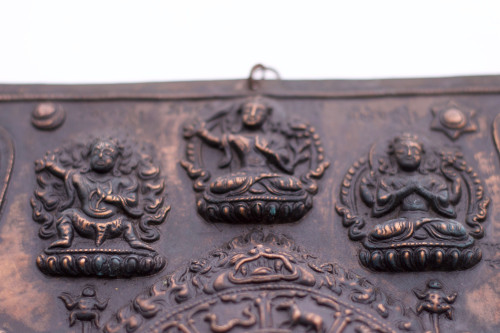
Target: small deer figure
{"type": "Point", "coordinates": [297, 317]}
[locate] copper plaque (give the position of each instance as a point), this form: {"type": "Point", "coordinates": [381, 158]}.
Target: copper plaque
{"type": "Point", "coordinates": [295, 206]}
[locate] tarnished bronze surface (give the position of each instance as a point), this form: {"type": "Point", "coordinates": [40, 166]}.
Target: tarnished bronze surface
{"type": "Point", "coordinates": [251, 206]}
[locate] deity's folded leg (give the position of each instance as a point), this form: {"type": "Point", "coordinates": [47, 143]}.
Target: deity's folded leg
{"type": "Point", "coordinates": [65, 232]}
{"type": "Point", "coordinates": [392, 228]}
{"type": "Point", "coordinates": [233, 182]}
{"type": "Point", "coordinates": [131, 237]}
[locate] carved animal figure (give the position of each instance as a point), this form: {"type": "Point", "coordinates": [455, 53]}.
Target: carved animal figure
{"type": "Point", "coordinates": [297, 317]}
{"type": "Point", "coordinates": [247, 312]}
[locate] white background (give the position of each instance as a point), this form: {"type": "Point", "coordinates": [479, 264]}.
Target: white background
{"type": "Point", "coordinates": [129, 41]}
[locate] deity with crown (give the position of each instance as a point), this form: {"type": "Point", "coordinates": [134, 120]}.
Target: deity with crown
{"type": "Point", "coordinates": [420, 203]}
{"type": "Point", "coordinates": [266, 171]}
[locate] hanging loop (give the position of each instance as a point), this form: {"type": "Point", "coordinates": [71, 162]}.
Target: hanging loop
{"type": "Point", "coordinates": [254, 82]}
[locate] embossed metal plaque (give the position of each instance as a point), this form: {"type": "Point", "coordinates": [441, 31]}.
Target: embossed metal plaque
{"type": "Point", "coordinates": [274, 206]}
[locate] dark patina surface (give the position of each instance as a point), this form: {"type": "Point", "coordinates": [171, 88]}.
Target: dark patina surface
{"type": "Point", "coordinates": [296, 206]}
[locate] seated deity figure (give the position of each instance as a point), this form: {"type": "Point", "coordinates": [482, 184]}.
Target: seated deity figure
{"type": "Point", "coordinates": [255, 151]}
{"type": "Point", "coordinates": [261, 156]}
{"type": "Point", "coordinates": [425, 199]}
{"type": "Point", "coordinates": [105, 200]}
{"type": "Point", "coordinates": [427, 205]}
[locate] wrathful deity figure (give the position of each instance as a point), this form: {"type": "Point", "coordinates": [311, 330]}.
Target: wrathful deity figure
{"type": "Point", "coordinates": [98, 198]}
{"type": "Point", "coordinates": [105, 200]}
{"type": "Point", "coordinates": [261, 156]}
{"type": "Point", "coordinates": [414, 196]}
